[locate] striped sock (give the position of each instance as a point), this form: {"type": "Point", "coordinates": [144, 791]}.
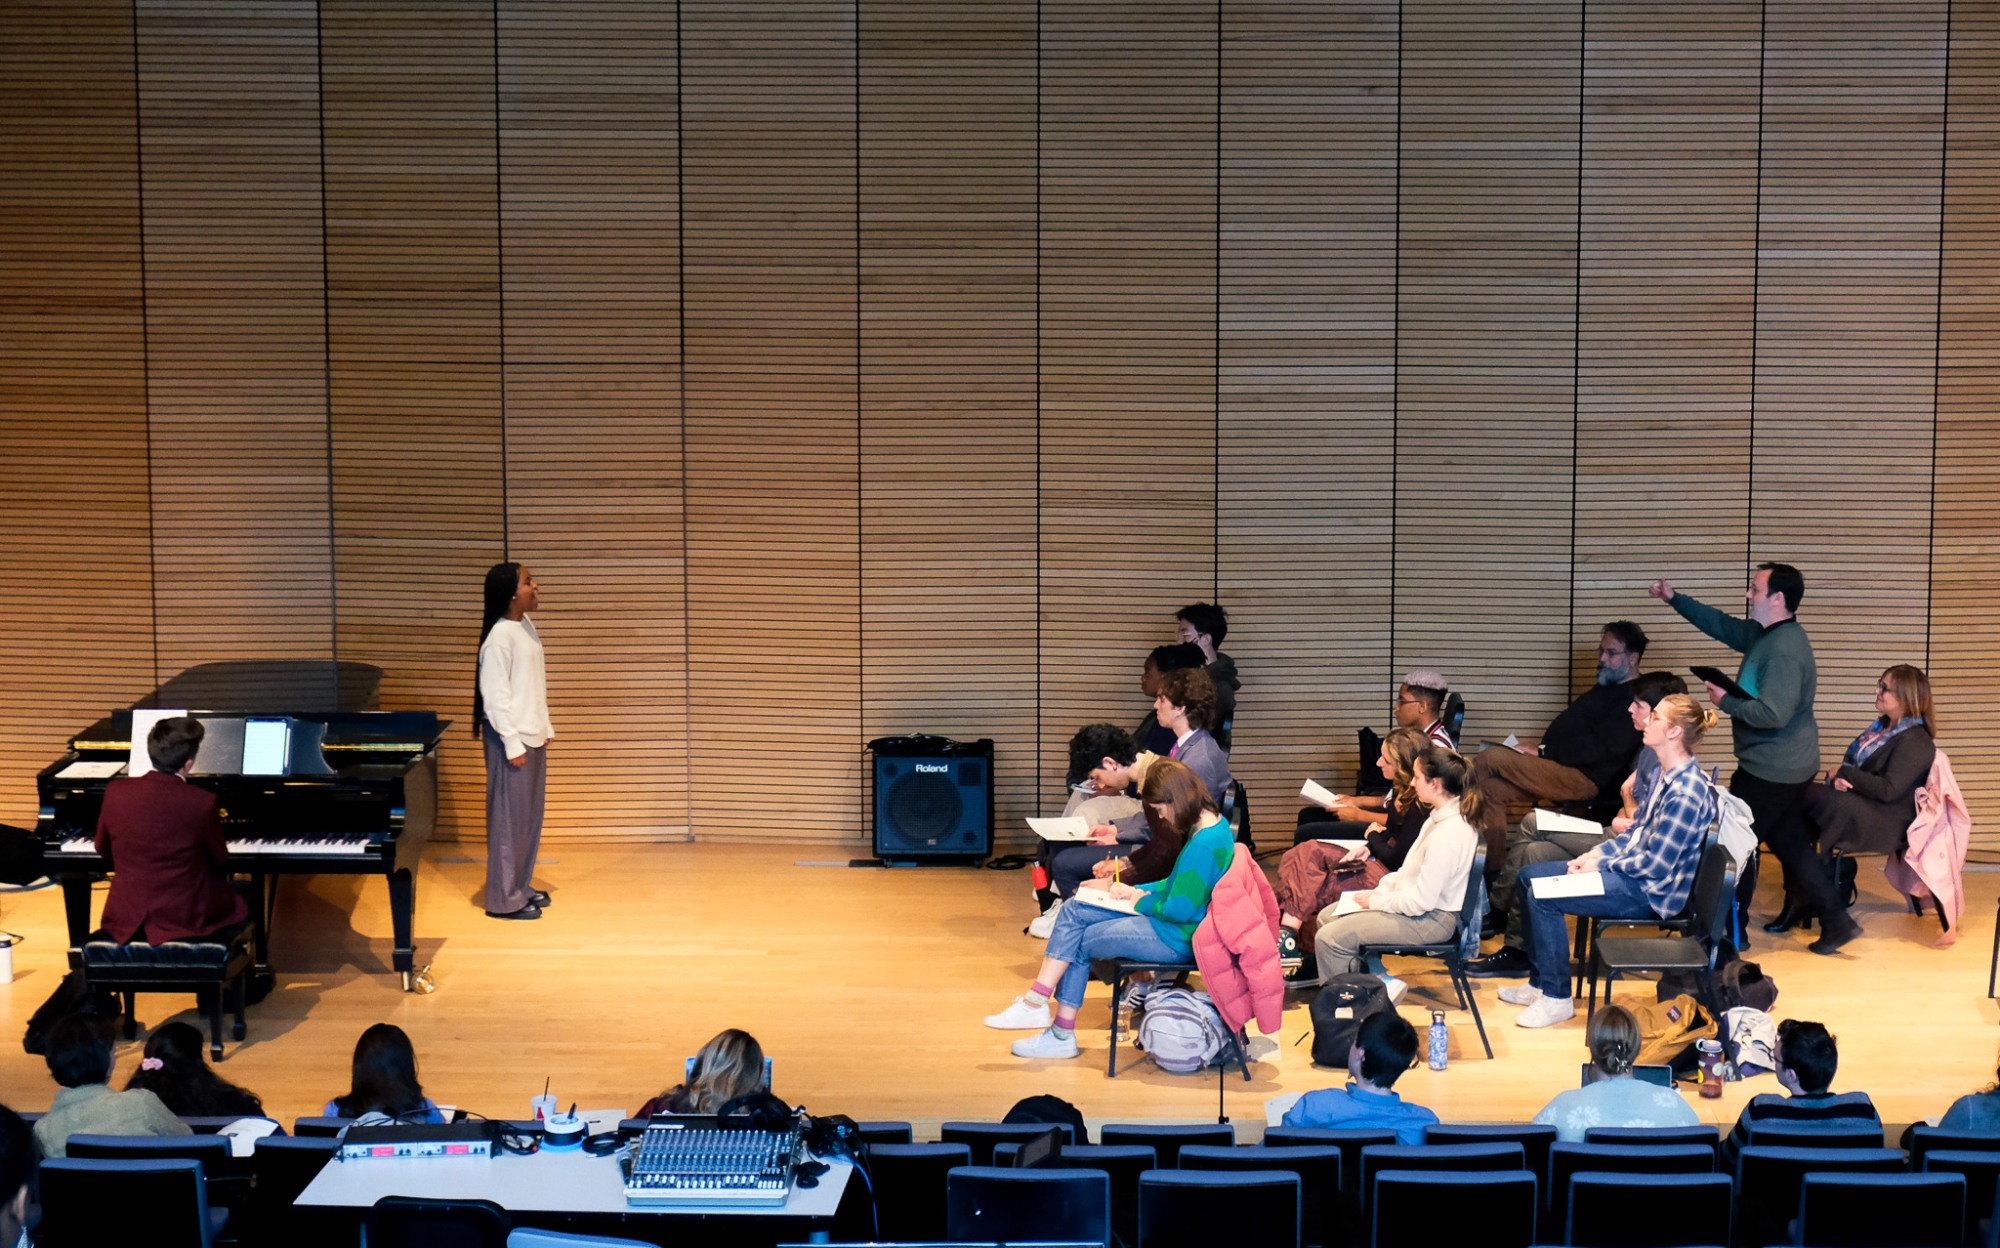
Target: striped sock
{"type": "Point", "coordinates": [1065, 1020]}
{"type": "Point", "coordinates": [1038, 994]}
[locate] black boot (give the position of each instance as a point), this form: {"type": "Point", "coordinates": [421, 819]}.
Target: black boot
{"type": "Point", "coordinates": [1793, 915]}
{"type": "Point", "coordinates": [1846, 873]}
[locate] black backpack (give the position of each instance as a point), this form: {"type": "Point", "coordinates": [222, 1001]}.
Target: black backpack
{"type": "Point", "coordinates": [1337, 1013]}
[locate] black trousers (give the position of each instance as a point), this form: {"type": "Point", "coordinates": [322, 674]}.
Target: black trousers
{"type": "Point", "coordinates": [1779, 811]}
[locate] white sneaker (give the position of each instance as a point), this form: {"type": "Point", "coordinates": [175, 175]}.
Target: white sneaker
{"type": "Point", "coordinates": [1136, 992]}
{"type": "Point", "coordinates": [1520, 994]}
{"type": "Point", "coordinates": [1047, 1044]}
{"type": "Point", "coordinates": [1021, 1016]}
{"type": "Point", "coordinates": [1395, 986]}
{"type": "Point", "coordinates": [1045, 922]}
{"type": "Point", "coordinates": [1547, 1012]}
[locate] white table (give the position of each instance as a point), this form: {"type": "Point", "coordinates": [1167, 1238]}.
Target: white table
{"type": "Point", "coordinates": [550, 1182]}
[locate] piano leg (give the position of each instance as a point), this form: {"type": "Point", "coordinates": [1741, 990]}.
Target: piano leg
{"type": "Point", "coordinates": [263, 905]}
{"type": "Point", "coordinates": [402, 912]}
{"type": "Point", "coordinates": [76, 909]}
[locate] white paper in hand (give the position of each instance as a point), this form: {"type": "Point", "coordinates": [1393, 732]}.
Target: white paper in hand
{"type": "Point", "coordinates": [1105, 901]}
{"type": "Point", "coordinates": [1575, 884]}
{"type": "Point", "coordinates": [1348, 904]}
{"type": "Point", "coordinates": [1317, 793]}
{"type": "Point", "coordinates": [1068, 828]}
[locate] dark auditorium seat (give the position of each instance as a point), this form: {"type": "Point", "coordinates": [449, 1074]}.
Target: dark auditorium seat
{"type": "Point", "coordinates": [1768, 1181]}
{"type": "Point", "coordinates": [226, 1176]}
{"type": "Point", "coordinates": [1834, 1133]}
{"type": "Point", "coordinates": [1203, 1208]}
{"type": "Point", "coordinates": [1535, 1141]}
{"type": "Point", "coordinates": [987, 1204]}
{"type": "Point", "coordinates": [1454, 1157]}
{"type": "Point", "coordinates": [980, 1137]}
{"type": "Point", "coordinates": [1881, 1210]}
{"type": "Point", "coordinates": [908, 1184]}
{"type": "Point", "coordinates": [90, 1202]}
{"type": "Point", "coordinates": [1708, 1137]}
{"type": "Point", "coordinates": [1923, 1138]}
{"type": "Point", "coordinates": [284, 1166]}
{"type": "Point", "coordinates": [213, 971]}
{"type": "Point", "coordinates": [1419, 1208]}
{"type": "Point", "coordinates": [1318, 1168]}
{"type": "Point", "coordinates": [1566, 1161]}
{"type": "Point", "coordinates": [1167, 1139]}
{"type": "Point", "coordinates": [408, 1222]}
{"type": "Point", "coordinates": [884, 1133]}
{"type": "Point", "coordinates": [1982, 1183]}
{"type": "Point", "coordinates": [325, 1128]}
{"type": "Point", "coordinates": [1606, 1210]}
{"type": "Point", "coordinates": [1350, 1141]}
{"type": "Point", "coordinates": [1121, 1163]}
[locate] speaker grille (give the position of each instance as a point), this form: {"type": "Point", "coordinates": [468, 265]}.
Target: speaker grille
{"type": "Point", "coordinates": [925, 807]}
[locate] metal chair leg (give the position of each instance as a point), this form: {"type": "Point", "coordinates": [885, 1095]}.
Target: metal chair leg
{"type": "Point", "coordinates": [1117, 996]}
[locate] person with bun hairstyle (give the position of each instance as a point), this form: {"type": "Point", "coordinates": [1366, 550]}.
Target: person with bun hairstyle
{"type": "Point", "coordinates": [1613, 1098]}
{"type": "Point", "coordinates": [1418, 903]}
{"type": "Point", "coordinates": [1648, 870]}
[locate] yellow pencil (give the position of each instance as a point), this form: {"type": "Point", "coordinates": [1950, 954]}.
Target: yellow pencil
{"type": "Point", "coordinates": [1114, 870]}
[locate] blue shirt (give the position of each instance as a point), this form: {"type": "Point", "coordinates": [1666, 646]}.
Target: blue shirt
{"type": "Point", "coordinates": [1979, 1111]}
{"type": "Point", "coordinates": [1355, 1106]}
{"type": "Point", "coordinates": [1662, 848]}
{"type": "Point", "coordinates": [1619, 1102]}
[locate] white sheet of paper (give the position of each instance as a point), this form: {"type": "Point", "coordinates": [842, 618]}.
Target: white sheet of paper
{"type": "Point", "coordinates": [1510, 741]}
{"type": "Point", "coordinates": [142, 724]}
{"type": "Point", "coordinates": [1347, 905]}
{"type": "Point", "coordinates": [1314, 791]}
{"type": "Point", "coordinates": [1576, 884]}
{"type": "Point", "coordinates": [91, 769]}
{"type": "Point", "coordinates": [1104, 901]}
{"type": "Point", "coordinates": [1067, 828]}
{"type": "Point", "coordinates": [1550, 821]}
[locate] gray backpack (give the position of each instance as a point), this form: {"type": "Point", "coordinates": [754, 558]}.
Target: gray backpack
{"type": "Point", "coordinates": [1181, 1030]}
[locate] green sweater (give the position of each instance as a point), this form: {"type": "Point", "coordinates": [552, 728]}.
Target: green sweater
{"type": "Point", "coordinates": [1177, 904]}
{"type": "Point", "coordinates": [1773, 730]}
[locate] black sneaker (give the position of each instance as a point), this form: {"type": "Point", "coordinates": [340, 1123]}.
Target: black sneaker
{"type": "Point", "coordinates": [1506, 962]}
{"type": "Point", "coordinates": [529, 911]}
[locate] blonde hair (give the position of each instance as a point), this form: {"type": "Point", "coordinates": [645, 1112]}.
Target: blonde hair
{"type": "Point", "coordinates": [729, 1066]}
{"type": "Point", "coordinates": [1693, 721]}
{"type": "Point", "coordinates": [1403, 747]}
{"type": "Point", "coordinates": [1449, 768]}
{"type": "Point", "coordinates": [1913, 689]}
{"type": "Point", "coordinates": [1613, 1037]}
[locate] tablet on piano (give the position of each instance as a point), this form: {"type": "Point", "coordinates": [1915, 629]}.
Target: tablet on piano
{"type": "Point", "coordinates": [267, 746]}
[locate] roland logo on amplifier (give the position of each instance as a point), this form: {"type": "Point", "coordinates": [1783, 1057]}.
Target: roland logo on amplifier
{"type": "Point", "coordinates": [935, 769]}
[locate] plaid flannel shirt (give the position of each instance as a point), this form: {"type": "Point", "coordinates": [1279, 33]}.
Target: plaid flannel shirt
{"type": "Point", "coordinates": [1662, 848]}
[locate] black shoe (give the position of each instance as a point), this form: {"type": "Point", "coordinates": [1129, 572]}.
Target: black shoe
{"type": "Point", "coordinates": [536, 897]}
{"type": "Point", "coordinates": [1506, 962]}
{"type": "Point", "coordinates": [1846, 874]}
{"type": "Point", "coordinates": [529, 911]}
{"type": "Point", "coordinates": [1790, 917]}
{"type": "Point", "coordinates": [1495, 924]}
{"type": "Point", "coordinates": [1835, 933]}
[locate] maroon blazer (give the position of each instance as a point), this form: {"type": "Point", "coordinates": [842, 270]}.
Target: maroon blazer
{"type": "Point", "coordinates": [163, 838]}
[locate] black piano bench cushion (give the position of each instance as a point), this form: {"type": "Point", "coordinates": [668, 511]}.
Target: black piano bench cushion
{"type": "Point", "coordinates": [174, 958]}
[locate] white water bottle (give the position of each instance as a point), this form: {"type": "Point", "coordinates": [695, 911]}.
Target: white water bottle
{"type": "Point", "coordinates": [1440, 1040]}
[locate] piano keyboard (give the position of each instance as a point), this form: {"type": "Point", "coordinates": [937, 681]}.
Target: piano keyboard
{"type": "Point", "coordinates": [304, 846]}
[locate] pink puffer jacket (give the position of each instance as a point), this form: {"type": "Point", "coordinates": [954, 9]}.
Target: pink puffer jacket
{"type": "Point", "coordinates": [1236, 947]}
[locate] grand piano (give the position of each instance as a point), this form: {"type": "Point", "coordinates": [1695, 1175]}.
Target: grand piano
{"type": "Point", "coordinates": [356, 793]}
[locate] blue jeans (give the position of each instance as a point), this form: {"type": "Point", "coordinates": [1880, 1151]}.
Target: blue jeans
{"type": "Point", "coordinates": [1548, 935]}
{"type": "Point", "coordinates": [1084, 932]}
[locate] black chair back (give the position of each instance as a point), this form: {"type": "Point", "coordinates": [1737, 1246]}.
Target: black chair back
{"type": "Point", "coordinates": [908, 1184]}
{"type": "Point", "coordinates": [285, 1166]}
{"type": "Point", "coordinates": [88, 1202]}
{"type": "Point", "coordinates": [1566, 1161]}
{"type": "Point", "coordinates": [1603, 1210]}
{"type": "Point", "coordinates": [227, 1176]}
{"type": "Point", "coordinates": [1350, 1141]}
{"type": "Point", "coordinates": [1708, 1137]}
{"type": "Point", "coordinates": [1535, 1141]}
{"type": "Point", "coordinates": [1923, 1138]}
{"type": "Point", "coordinates": [1982, 1181]}
{"type": "Point", "coordinates": [1167, 1139]}
{"type": "Point", "coordinates": [1768, 1180]}
{"type": "Point", "coordinates": [1882, 1210]}
{"type": "Point", "coordinates": [1778, 1133]}
{"type": "Point", "coordinates": [980, 1137]}
{"type": "Point", "coordinates": [1121, 1163]}
{"type": "Point", "coordinates": [410, 1222]}
{"type": "Point", "coordinates": [1202, 1208]}
{"type": "Point", "coordinates": [1493, 1209]}
{"type": "Point", "coordinates": [1318, 1168]}
{"type": "Point", "coordinates": [993, 1204]}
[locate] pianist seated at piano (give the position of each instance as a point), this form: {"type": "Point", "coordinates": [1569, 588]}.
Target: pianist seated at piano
{"type": "Point", "coordinates": [163, 838]}
{"type": "Point", "coordinates": [385, 1087]}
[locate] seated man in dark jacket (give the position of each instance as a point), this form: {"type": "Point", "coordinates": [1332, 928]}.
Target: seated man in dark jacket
{"type": "Point", "coordinates": [1588, 749]}
{"type": "Point", "coordinates": [163, 839]}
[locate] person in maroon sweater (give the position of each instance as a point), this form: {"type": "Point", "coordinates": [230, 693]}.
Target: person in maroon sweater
{"type": "Point", "coordinates": [163, 839]}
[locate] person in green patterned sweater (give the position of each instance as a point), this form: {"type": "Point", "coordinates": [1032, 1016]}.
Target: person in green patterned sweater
{"type": "Point", "coordinates": [1159, 927]}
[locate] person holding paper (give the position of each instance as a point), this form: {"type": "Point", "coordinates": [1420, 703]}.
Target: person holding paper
{"type": "Point", "coordinates": [510, 708]}
{"type": "Point", "coordinates": [1313, 874]}
{"type": "Point", "coordinates": [1159, 925]}
{"type": "Point", "coordinates": [1645, 871]}
{"type": "Point", "coordinates": [1774, 733]}
{"type": "Point", "coordinates": [1419, 902]}
{"type": "Point", "coordinates": [163, 838]}
{"type": "Point", "coordinates": [1588, 748]}
{"type": "Point", "coordinates": [1544, 836]}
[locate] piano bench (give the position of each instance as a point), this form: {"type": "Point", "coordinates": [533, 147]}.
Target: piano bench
{"type": "Point", "coordinates": [211, 970]}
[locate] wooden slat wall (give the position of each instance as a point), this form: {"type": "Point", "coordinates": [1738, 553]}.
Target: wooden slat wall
{"type": "Point", "coordinates": [1421, 332]}
{"type": "Point", "coordinates": [1847, 324]}
{"type": "Point", "coordinates": [413, 316]}
{"type": "Point", "coordinates": [772, 415]}
{"type": "Point", "coordinates": [1485, 355]}
{"type": "Point", "coordinates": [1668, 268]}
{"type": "Point", "coordinates": [589, 114]}
{"type": "Point", "coordinates": [1965, 553]}
{"type": "Point", "coordinates": [1127, 343]}
{"type": "Point", "coordinates": [236, 330]}
{"type": "Point", "coordinates": [76, 607]}
{"type": "Point", "coordinates": [947, 133]}
{"type": "Point", "coordinates": [1307, 361]}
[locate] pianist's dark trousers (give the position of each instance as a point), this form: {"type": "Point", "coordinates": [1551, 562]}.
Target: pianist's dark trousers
{"type": "Point", "coordinates": [514, 797]}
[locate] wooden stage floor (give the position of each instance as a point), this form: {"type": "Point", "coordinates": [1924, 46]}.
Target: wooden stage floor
{"type": "Point", "coordinates": [867, 987]}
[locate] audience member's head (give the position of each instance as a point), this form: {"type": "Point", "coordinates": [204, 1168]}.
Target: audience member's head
{"type": "Point", "coordinates": [175, 1070]}
{"type": "Point", "coordinates": [385, 1075]}
{"type": "Point", "coordinates": [1450, 776]}
{"type": "Point", "coordinates": [1175, 794]}
{"type": "Point", "coordinates": [1401, 748]}
{"type": "Point", "coordinates": [1908, 692]}
{"type": "Point", "coordinates": [1783, 580]}
{"type": "Point", "coordinates": [1384, 1047]}
{"type": "Point", "coordinates": [1097, 748]}
{"type": "Point", "coordinates": [1420, 699]}
{"type": "Point", "coordinates": [1650, 687]}
{"type": "Point", "coordinates": [1168, 658]}
{"type": "Point", "coordinates": [1807, 1057]}
{"type": "Point", "coordinates": [1619, 648]}
{"type": "Point", "coordinates": [728, 1066]}
{"type": "Point", "coordinates": [1204, 624]}
{"type": "Point", "coordinates": [1678, 710]}
{"type": "Point", "coordinates": [172, 743]}
{"type": "Point", "coordinates": [1613, 1037]}
{"type": "Point", "coordinates": [79, 1051]}
{"type": "Point", "coordinates": [1191, 692]}
{"type": "Point", "coordinates": [17, 1174]}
